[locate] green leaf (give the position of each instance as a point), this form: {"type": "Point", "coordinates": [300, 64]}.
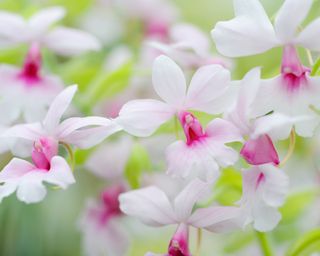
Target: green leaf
{"type": "Point", "coordinates": [106, 85]}
{"type": "Point", "coordinates": [296, 204]}
{"type": "Point", "coordinates": [138, 163]}
{"type": "Point", "coordinates": [306, 245]}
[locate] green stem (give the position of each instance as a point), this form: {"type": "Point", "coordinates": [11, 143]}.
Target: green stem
{"type": "Point", "coordinates": [264, 244]}
{"type": "Point", "coordinates": [70, 153]}
{"type": "Point", "coordinates": [315, 68]}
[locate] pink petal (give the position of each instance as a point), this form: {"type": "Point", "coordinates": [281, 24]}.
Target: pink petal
{"type": "Point", "coordinates": [260, 151]}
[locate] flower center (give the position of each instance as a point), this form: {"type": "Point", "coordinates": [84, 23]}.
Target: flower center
{"type": "Point", "coordinates": [157, 29]}
{"type": "Point", "coordinates": [292, 71]}
{"type": "Point", "coordinates": [179, 245]}
{"type": "Point", "coordinates": [31, 68]}
{"type": "Point", "coordinates": [191, 126]}
{"type": "Point", "coordinates": [42, 152]}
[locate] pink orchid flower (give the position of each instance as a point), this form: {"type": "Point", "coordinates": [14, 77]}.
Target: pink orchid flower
{"type": "Point", "coordinates": [37, 29]}
{"type": "Point", "coordinates": [26, 178]}
{"type": "Point", "coordinates": [251, 32]}
{"type": "Point", "coordinates": [153, 207]}
{"type": "Point", "coordinates": [264, 190]}
{"type": "Point", "coordinates": [21, 88]}
{"type": "Point", "coordinates": [82, 132]}
{"type": "Point", "coordinates": [102, 227]}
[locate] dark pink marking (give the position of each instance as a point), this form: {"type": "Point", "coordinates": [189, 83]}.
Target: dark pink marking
{"type": "Point", "coordinates": [179, 244]}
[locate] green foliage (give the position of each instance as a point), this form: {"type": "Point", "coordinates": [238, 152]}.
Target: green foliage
{"type": "Point", "coordinates": [306, 245]}
{"type": "Point", "coordinates": [137, 164]}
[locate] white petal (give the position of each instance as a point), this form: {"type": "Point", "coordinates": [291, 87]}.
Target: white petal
{"type": "Point", "coordinates": [68, 42]}
{"type": "Point", "coordinates": [15, 169]}
{"type": "Point", "coordinates": [285, 26]}
{"type": "Point", "coordinates": [58, 107]}
{"type": "Point", "coordinates": [31, 191]}
{"type": "Point", "coordinates": [188, 197]}
{"type": "Point", "coordinates": [223, 131]}
{"type": "Point", "coordinates": [143, 117]}
{"type": "Point", "coordinates": [217, 218]}
{"type": "Point", "coordinates": [12, 29]}
{"type": "Point", "coordinates": [25, 131]}
{"type": "Point", "coordinates": [7, 189]}
{"type": "Point", "coordinates": [150, 205]}
{"type": "Point", "coordinates": [250, 32]}
{"type": "Point", "coordinates": [191, 161]}
{"type": "Point", "coordinates": [60, 173]}
{"type": "Point", "coordinates": [266, 218]}
{"type": "Point", "coordinates": [169, 81]}
{"type": "Point", "coordinates": [307, 39]}
{"type": "Point", "coordinates": [42, 20]}
{"type": "Point", "coordinates": [207, 85]}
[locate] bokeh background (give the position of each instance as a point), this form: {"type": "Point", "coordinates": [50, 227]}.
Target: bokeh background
{"type": "Point", "coordinates": [51, 227]}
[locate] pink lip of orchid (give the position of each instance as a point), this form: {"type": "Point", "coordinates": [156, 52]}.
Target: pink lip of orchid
{"type": "Point", "coordinates": [204, 151]}
{"type": "Point", "coordinates": [251, 32]}
{"type": "Point", "coordinates": [264, 190]}
{"type": "Point", "coordinates": [38, 29]}
{"type": "Point", "coordinates": [26, 178]}
{"type": "Point", "coordinates": [152, 206]}
{"type": "Point", "coordinates": [82, 132]}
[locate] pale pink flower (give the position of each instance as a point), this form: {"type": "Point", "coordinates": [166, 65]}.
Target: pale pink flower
{"type": "Point", "coordinates": [264, 191]}
{"type": "Point", "coordinates": [82, 132]}
{"type": "Point", "coordinates": [27, 179]}
{"type": "Point", "coordinates": [251, 32]}
{"type": "Point", "coordinates": [102, 227]}
{"type": "Point", "coordinates": [153, 207]}
{"type": "Point", "coordinates": [21, 88]}
{"type": "Point", "coordinates": [16, 30]}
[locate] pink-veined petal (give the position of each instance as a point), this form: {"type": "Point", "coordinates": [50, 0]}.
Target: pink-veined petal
{"type": "Point", "coordinates": [150, 205]}
{"type": "Point", "coordinates": [286, 27]}
{"type": "Point", "coordinates": [143, 117]}
{"type": "Point", "coordinates": [15, 169]}
{"type": "Point", "coordinates": [169, 81]}
{"type": "Point", "coordinates": [69, 42]}
{"type": "Point", "coordinates": [42, 20]}
{"type": "Point", "coordinates": [250, 32]}
{"type": "Point", "coordinates": [207, 86]}
{"type": "Point", "coordinates": [58, 107]}
{"type": "Point", "coordinates": [307, 39]}
{"type": "Point", "coordinates": [217, 218]}
{"type": "Point", "coordinates": [188, 197]}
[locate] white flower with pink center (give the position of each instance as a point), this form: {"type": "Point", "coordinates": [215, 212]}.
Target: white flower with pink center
{"type": "Point", "coordinates": [82, 132]}
{"type": "Point", "coordinates": [38, 29]}
{"type": "Point", "coordinates": [103, 233]}
{"type": "Point", "coordinates": [264, 191]}
{"type": "Point", "coordinates": [21, 88]}
{"type": "Point", "coordinates": [27, 179]}
{"type": "Point", "coordinates": [251, 32]}
{"type": "Point", "coordinates": [153, 207]}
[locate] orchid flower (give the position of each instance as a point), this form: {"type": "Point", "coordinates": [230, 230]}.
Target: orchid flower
{"type": "Point", "coordinates": [101, 225]}
{"type": "Point", "coordinates": [37, 29]}
{"type": "Point", "coordinates": [264, 190]}
{"type": "Point", "coordinates": [21, 88]}
{"type": "Point", "coordinates": [251, 32]}
{"type": "Point", "coordinates": [208, 92]}
{"type": "Point", "coordinates": [77, 131]}
{"type": "Point", "coordinates": [26, 178]}
{"type": "Point", "coordinates": [259, 131]}
{"type": "Point", "coordinates": [187, 45]}
{"type": "Point", "coordinates": [153, 207]}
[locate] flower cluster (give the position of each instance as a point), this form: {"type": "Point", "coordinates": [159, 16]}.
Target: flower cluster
{"type": "Point", "coordinates": [173, 142]}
